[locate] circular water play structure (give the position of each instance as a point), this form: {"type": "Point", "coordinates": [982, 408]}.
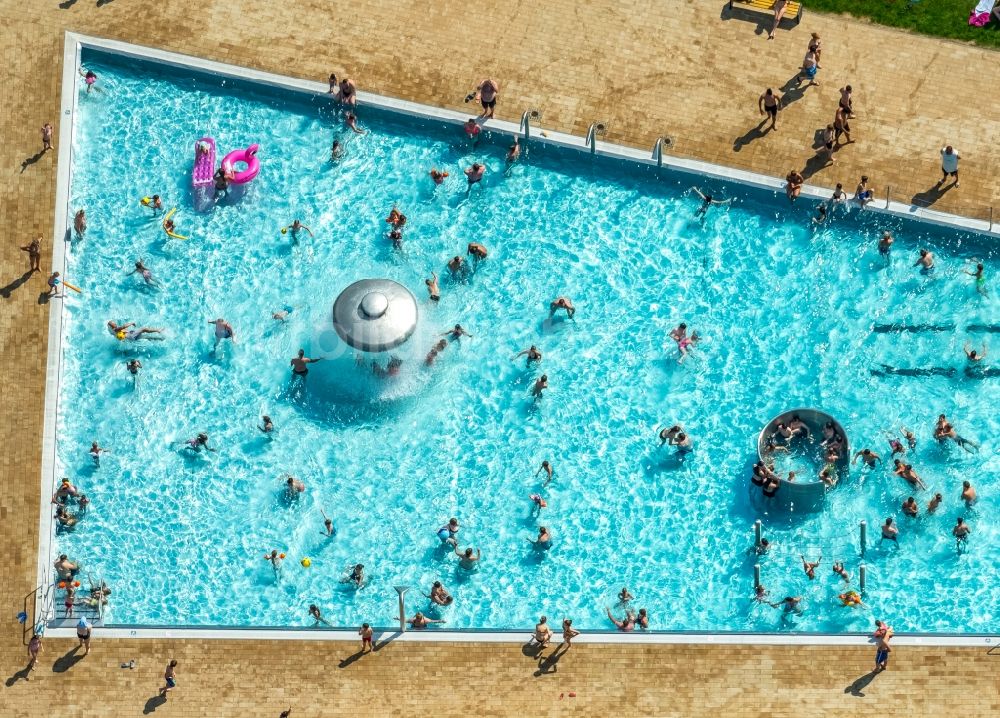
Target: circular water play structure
{"type": "Point", "coordinates": [807, 493]}
{"type": "Point", "coordinates": [375, 315]}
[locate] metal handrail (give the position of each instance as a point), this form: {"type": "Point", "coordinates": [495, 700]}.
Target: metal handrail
{"type": "Point", "coordinates": [596, 129]}
{"type": "Point", "coordinates": [526, 117]}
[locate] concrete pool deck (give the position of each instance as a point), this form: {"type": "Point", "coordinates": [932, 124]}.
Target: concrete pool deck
{"type": "Point", "coordinates": [533, 61]}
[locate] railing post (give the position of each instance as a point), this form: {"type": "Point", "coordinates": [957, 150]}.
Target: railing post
{"type": "Point", "coordinates": [526, 124]}
{"type": "Point", "coordinates": [756, 533]}
{"type": "Point", "coordinates": [863, 578]}
{"type": "Point", "coordinates": [991, 219]}
{"type": "Point", "coordinates": [402, 607]}
{"type": "Point", "coordinates": [864, 536]}
{"type": "Point", "coordinates": [756, 576]}
{"type": "Point", "coordinates": [887, 190]}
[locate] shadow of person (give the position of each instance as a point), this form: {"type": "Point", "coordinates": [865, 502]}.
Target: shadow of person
{"type": "Point", "coordinates": [153, 703]}
{"type": "Point", "coordinates": [44, 297]}
{"type": "Point", "coordinates": [353, 658]}
{"type": "Point", "coordinates": [28, 161]}
{"type": "Point", "coordinates": [549, 664]}
{"type": "Point", "coordinates": [5, 292]}
{"type": "Point", "coordinates": [931, 195]}
{"type": "Point", "coordinates": [67, 660]}
{"type": "Point", "coordinates": [857, 687]}
{"type": "Point", "coordinates": [532, 649]}
{"type": "Point", "coordinates": [67, 4]}
{"type": "Point", "coordinates": [814, 164]}
{"type": "Point", "coordinates": [21, 675]}
{"type": "Point", "coordinates": [792, 90]}
{"type": "Point", "coordinates": [754, 133]}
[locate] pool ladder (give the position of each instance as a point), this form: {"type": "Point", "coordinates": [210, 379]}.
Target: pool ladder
{"type": "Point", "coordinates": [526, 119]}
{"type": "Point", "coordinates": [597, 129]}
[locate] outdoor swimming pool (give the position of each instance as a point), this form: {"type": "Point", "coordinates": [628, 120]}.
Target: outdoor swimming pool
{"type": "Point", "coordinates": [786, 313]}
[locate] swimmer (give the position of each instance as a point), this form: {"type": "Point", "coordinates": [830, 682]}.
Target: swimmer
{"type": "Point", "coordinates": [300, 364]}
{"type": "Point", "coordinates": [707, 201]}
{"type": "Point", "coordinates": [477, 251]}
{"type": "Point", "coordinates": [275, 560]}
{"type": "Point", "coordinates": [911, 439]}
{"type": "Point", "coordinates": [790, 604]}
{"type": "Point", "coordinates": [798, 426]}
{"type": "Point", "coordinates": [396, 236]}
{"type": "Point", "coordinates": [352, 121]}
{"type": "Point", "coordinates": [968, 494]}
{"type": "Point", "coordinates": [295, 227]}
{"type": "Point", "coordinates": [439, 596]}
{"type": "Point", "coordinates": [541, 384]}
{"type": "Point", "coordinates": [456, 265]}
{"type": "Point", "coordinates": [80, 223]}
{"type": "Point", "coordinates": [539, 504]}
{"type": "Point", "coordinates": [684, 342]}
{"type": "Point", "coordinates": [531, 352]}
{"type": "Point", "coordinates": [355, 576]}
{"type": "Point", "coordinates": [154, 203]}
{"type": "Point", "coordinates": [863, 194]}
{"type": "Point", "coordinates": [438, 176]}
{"type": "Point", "coordinates": [820, 214]}
{"type": "Point", "coordinates": [65, 568]}
{"type": "Point", "coordinates": [198, 443]}
{"type": "Point", "coordinates": [793, 188]}
{"type": "Point", "coordinates": [449, 532]}
{"type": "Point", "coordinates": [420, 621]}
{"type": "Point", "coordinates": [869, 457]}
{"type": "Point", "coordinates": [346, 92]}
{"type": "Point", "coordinates": [810, 567]}
{"type": "Point", "coordinates": [268, 425]}
{"type": "Point", "coordinates": [562, 303]}
{"type": "Point", "coordinates": [513, 153]}
{"type": "Point", "coordinates": [972, 355]}
{"type": "Point", "coordinates": [223, 330]}
{"type": "Point", "coordinates": [466, 559]}
{"type": "Point", "coordinates": [905, 471]}
{"type": "Point", "coordinates": [762, 548]}
{"type": "Point", "coordinates": [90, 78]}
{"type": "Point", "coordinates": [885, 244]}
{"type": "Point", "coordinates": [336, 151]}
{"type": "Point", "coordinates": [760, 594]}
{"type": "Point", "coordinates": [475, 173]}
{"type": "Point", "coordinates": [293, 487]}
{"type": "Point", "coordinates": [34, 250]}
{"type": "Point", "coordinates": [544, 540]}
{"type": "Point", "coordinates": [143, 271]}
{"type": "Point", "coordinates": [979, 277]}
{"type": "Point", "coordinates": [838, 568]}
{"type": "Point", "coordinates": [771, 486]}
{"type": "Point", "coordinates": [121, 332]}
{"type": "Point", "coordinates": [222, 180]}
{"type": "Point", "coordinates": [133, 366]}
{"type": "Point", "coordinates": [624, 596]}
{"type": "Point", "coordinates": [889, 532]}
{"type": "Point", "coordinates": [396, 218]}
{"type": "Point", "coordinates": [960, 531]}
{"type": "Point", "coordinates": [82, 502]}
{"type": "Point", "coordinates": [850, 598]}
{"type": "Point", "coordinates": [683, 443]}
{"type": "Point", "coordinates": [96, 451]}
{"type": "Point", "coordinates": [282, 315]}
{"type": "Point", "coordinates": [547, 468]}
{"type": "Point", "coordinates": [827, 476]}
{"type": "Point", "coordinates": [329, 530]}
{"type": "Point", "coordinates": [934, 503]}
{"type": "Point", "coordinates": [896, 446]}
{"type": "Point", "coordinates": [925, 262]}
{"type": "Point", "coordinates": [391, 367]}
{"type": "Point", "coordinates": [315, 613]}
{"type": "Point", "coordinates": [945, 430]}
{"type": "Point", "coordinates": [542, 634]}
{"type": "Point", "coordinates": [669, 434]}
{"type": "Point", "coordinates": [910, 507]}
{"type": "Point", "coordinates": [64, 492]}
{"type": "Point", "coordinates": [625, 625]}
{"type": "Point", "coordinates": [169, 226]}
{"type": "Point", "coordinates": [456, 333]}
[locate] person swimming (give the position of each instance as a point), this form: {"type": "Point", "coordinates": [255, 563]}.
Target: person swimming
{"type": "Point", "coordinates": [448, 534]}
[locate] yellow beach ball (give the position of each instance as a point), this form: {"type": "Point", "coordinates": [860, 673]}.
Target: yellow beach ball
{"type": "Point", "coordinates": [306, 563]}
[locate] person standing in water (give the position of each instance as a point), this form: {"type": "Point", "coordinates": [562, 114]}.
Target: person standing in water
{"type": "Point", "coordinates": [223, 330]}
{"type": "Point", "coordinates": [532, 353]}
{"type": "Point", "coordinates": [300, 364]}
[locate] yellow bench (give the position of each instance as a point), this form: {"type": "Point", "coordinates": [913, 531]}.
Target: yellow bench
{"type": "Point", "coordinates": [793, 11]}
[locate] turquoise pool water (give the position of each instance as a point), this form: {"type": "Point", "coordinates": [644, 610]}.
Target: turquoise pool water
{"type": "Point", "coordinates": [786, 314]}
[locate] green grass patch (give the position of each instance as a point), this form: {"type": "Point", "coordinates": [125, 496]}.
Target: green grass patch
{"type": "Point", "coordinates": [941, 18]}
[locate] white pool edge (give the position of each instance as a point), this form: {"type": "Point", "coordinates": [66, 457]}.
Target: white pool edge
{"type": "Point", "coordinates": [76, 42]}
